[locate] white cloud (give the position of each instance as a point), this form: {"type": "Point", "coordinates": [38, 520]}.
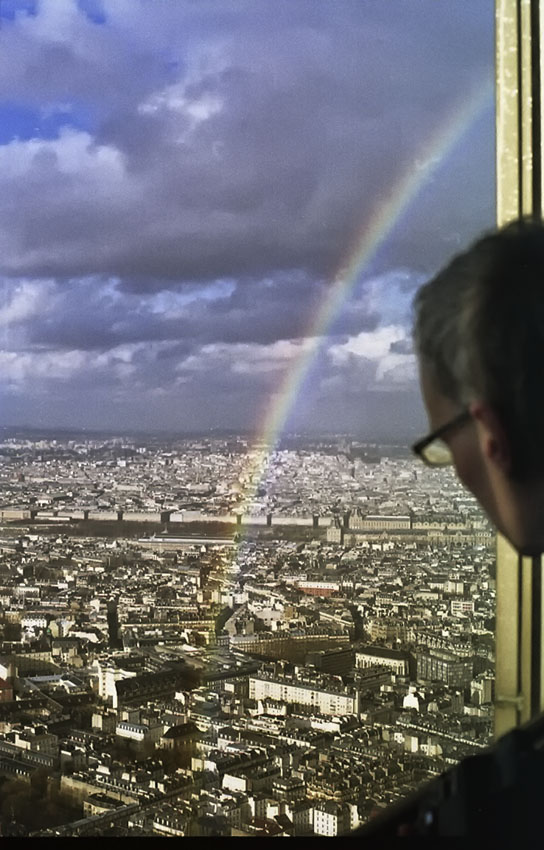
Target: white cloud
{"type": "Point", "coordinates": [24, 300]}
{"type": "Point", "coordinates": [175, 99]}
{"type": "Point", "coordinates": [73, 152]}
{"type": "Point", "coordinates": [390, 368]}
{"type": "Point", "coordinates": [372, 345]}
{"type": "Point", "coordinates": [247, 358]}
{"type": "Point", "coordinates": [397, 369]}
{"type": "Point", "coordinates": [55, 22]}
{"type": "Point", "coordinates": [390, 295]}
{"type": "Point", "coordinates": [30, 367]}
{"type": "Point", "coordinates": [38, 369]}
{"type": "Point", "coordinates": [269, 358]}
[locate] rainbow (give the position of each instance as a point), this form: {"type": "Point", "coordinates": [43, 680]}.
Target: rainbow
{"type": "Point", "coordinates": [374, 232]}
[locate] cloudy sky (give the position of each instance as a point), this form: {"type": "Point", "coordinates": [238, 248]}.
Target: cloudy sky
{"type": "Point", "coordinates": [181, 181]}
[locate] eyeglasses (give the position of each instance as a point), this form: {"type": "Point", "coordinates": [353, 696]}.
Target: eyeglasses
{"type": "Point", "coordinates": [432, 449]}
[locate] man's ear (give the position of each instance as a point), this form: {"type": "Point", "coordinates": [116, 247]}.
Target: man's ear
{"type": "Point", "coordinates": [492, 435]}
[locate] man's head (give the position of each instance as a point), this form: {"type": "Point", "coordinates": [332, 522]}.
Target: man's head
{"type": "Point", "coordinates": [479, 335]}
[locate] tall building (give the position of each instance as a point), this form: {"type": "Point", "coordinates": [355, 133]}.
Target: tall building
{"type": "Point", "coordinates": [114, 640]}
{"type": "Point", "coordinates": [440, 665]}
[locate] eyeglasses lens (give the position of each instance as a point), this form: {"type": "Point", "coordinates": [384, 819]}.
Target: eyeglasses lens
{"type": "Point", "coordinates": [437, 453]}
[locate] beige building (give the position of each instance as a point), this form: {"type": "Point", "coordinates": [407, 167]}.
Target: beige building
{"type": "Point", "coordinates": [379, 523]}
{"type": "Point", "coordinates": [386, 629]}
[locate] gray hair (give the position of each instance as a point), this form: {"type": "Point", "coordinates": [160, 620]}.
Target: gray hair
{"type": "Point", "coordinates": [479, 329]}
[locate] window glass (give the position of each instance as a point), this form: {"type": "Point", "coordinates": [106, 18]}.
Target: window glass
{"type": "Point", "coordinates": [232, 601]}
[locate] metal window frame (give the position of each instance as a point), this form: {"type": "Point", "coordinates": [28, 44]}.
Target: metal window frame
{"type": "Point", "coordinates": [519, 675]}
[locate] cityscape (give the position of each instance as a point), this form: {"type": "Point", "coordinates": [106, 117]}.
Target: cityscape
{"type": "Point", "coordinates": [179, 658]}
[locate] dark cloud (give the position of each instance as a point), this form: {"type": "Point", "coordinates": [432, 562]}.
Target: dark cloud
{"type": "Point", "coordinates": [269, 151]}
{"type": "Point", "coordinates": [95, 316]}
{"type": "Point", "coordinates": [216, 165]}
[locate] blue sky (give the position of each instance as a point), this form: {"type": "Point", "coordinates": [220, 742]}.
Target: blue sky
{"type": "Point", "coordinates": [180, 182]}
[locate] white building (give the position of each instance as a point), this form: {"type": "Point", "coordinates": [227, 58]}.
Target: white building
{"type": "Point", "coordinates": [382, 657]}
{"type": "Point", "coordinates": [108, 675]}
{"type": "Point", "coordinates": [36, 740]}
{"type": "Point", "coordinates": [411, 700]}
{"type": "Point", "coordinates": [460, 607]}
{"type": "Point", "coordinates": [139, 732]}
{"type": "Point", "coordinates": [324, 700]}
{"type": "Point", "coordinates": [482, 690]}
{"type": "Point", "coordinates": [34, 621]}
{"type": "Point", "coordinates": [331, 819]}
